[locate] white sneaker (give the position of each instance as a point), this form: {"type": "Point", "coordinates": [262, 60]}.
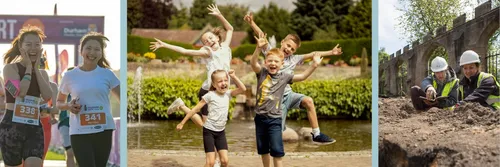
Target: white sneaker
{"type": "Point", "coordinates": [217, 163]}
{"type": "Point", "coordinates": [175, 106]}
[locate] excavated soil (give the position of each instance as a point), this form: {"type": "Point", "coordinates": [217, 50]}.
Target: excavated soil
{"type": "Point", "coordinates": [467, 136]}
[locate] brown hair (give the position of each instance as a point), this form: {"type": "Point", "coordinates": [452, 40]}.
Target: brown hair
{"type": "Point", "coordinates": [277, 52]}
{"type": "Point", "coordinates": [212, 88]}
{"type": "Point", "coordinates": [102, 41]}
{"type": "Point", "coordinates": [294, 37]}
{"type": "Point", "coordinates": [14, 52]}
{"type": "Point", "coordinates": [218, 31]}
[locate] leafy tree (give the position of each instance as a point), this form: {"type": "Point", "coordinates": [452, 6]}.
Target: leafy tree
{"type": "Point", "coordinates": [311, 15]}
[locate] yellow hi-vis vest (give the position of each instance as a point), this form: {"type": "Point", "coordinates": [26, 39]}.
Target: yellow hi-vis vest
{"type": "Point", "coordinates": [446, 90]}
{"type": "Point", "coordinates": [493, 101]}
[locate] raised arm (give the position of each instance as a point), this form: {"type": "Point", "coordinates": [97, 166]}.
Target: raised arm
{"type": "Point", "coordinates": [189, 52]}
{"type": "Point", "coordinates": [336, 51]}
{"type": "Point", "coordinates": [300, 77]}
{"type": "Point", "coordinates": [229, 29]}
{"type": "Point", "coordinates": [249, 19]}
{"type": "Point", "coordinates": [261, 42]}
{"type": "Point", "coordinates": [241, 87]}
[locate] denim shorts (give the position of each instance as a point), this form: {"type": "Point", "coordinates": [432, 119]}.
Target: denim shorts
{"type": "Point", "coordinates": [269, 136]}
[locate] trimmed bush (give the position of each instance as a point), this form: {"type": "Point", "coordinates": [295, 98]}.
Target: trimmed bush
{"type": "Point", "coordinates": [350, 98]}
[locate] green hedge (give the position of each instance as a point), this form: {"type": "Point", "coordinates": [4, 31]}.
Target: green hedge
{"type": "Point", "coordinates": [350, 47]}
{"type": "Point", "coordinates": [140, 45]}
{"type": "Point", "coordinates": [350, 98]}
{"type": "Point", "coordinates": [158, 93]}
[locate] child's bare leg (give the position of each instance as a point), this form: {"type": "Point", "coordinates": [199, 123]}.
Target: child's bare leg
{"type": "Point", "coordinates": [210, 160]}
{"type": "Point", "coordinates": [224, 160]}
{"type": "Point", "coordinates": [196, 118]}
{"type": "Point", "coordinates": [308, 103]}
{"type": "Point", "coordinates": [266, 160]}
{"type": "Point", "coordinates": [278, 161]}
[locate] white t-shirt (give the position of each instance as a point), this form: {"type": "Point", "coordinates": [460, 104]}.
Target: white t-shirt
{"type": "Point", "coordinates": [93, 88]}
{"type": "Point", "coordinates": [289, 65]}
{"type": "Point", "coordinates": [220, 59]}
{"type": "Point", "coordinates": [218, 108]}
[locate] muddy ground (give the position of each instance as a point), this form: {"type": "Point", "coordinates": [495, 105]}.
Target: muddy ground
{"type": "Point", "coordinates": [468, 136]}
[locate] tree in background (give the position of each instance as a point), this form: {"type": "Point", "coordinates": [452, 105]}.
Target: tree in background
{"type": "Point", "coordinates": [358, 23]}
{"type": "Point", "coordinates": [311, 15]}
{"type": "Point", "coordinates": [273, 20]}
{"type": "Point", "coordinates": [149, 13]}
{"type": "Point", "coordinates": [180, 19]}
{"type": "Point", "coordinates": [424, 16]}
{"type": "Point", "coordinates": [199, 16]}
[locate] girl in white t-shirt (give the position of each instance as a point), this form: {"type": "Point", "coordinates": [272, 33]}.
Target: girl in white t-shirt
{"type": "Point", "coordinates": [217, 99]}
{"type": "Point", "coordinates": [214, 52]}
{"type": "Point", "coordinates": [91, 122]}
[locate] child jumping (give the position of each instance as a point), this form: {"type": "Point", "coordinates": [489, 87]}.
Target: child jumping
{"type": "Point", "coordinates": [215, 51]}
{"type": "Point", "coordinates": [271, 86]}
{"type": "Point", "coordinates": [292, 100]}
{"type": "Point", "coordinates": [214, 136]}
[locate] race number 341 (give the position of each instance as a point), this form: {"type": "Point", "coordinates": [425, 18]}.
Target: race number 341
{"type": "Point", "coordinates": [92, 119]}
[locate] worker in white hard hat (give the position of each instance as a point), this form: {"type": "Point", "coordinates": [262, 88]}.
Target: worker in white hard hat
{"type": "Point", "coordinates": [440, 89]}
{"type": "Point", "coordinates": [477, 86]}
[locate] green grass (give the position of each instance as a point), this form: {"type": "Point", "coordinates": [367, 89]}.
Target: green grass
{"type": "Point", "coordinates": [54, 156]}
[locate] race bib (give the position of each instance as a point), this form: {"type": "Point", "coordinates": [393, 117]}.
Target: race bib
{"type": "Point", "coordinates": [91, 118]}
{"type": "Point", "coordinates": [27, 110]}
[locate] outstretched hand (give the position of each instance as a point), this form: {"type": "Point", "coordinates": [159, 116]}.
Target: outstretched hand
{"type": "Point", "coordinates": [261, 41]}
{"type": "Point", "coordinates": [317, 58]}
{"type": "Point", "coordinates": [337, 50]}
{"type": "Point", "coordinates": [248, 17]}
{"type": "Point", "coordinates": [214, 10]}
{"type": "Point", "coordinates": [156, 45]}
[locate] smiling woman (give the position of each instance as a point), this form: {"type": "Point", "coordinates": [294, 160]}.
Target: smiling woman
{"type": "Point", "coordinates": [91, 122]}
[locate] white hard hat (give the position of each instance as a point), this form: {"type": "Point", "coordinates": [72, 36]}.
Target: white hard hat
{"type": "Point", "coordinates": [439, 64]}
{"type": "Point", "coordinates": [469, 57]}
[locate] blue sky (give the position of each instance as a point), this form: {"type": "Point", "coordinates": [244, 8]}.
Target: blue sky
{"type": "Point", "coordinates": [388, 37]}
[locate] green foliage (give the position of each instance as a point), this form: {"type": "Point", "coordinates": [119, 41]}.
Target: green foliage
{"type": "Point", "coordinates": [199, 16]}
{"type": "Point", "coordinates": [136, 44]}
{"type": "Point", "coordinates": [159, 92]}
{"type": "Point", "coordinates": [180, 19]}
{"type": "Point", "coordinates": [312, 15]}
{"type": "Point", "coordinates": [350, 98]}
{"type": "Point", "coordinates": [329, 34]}
{"type": "Point", "coordinates": [358, 23]}
{"type": "Point", "coordinates": [234, 14]}
{"type": "Point", "coordinates": [272, 20]}
{"type": "Point", "coordinates": [350, 47]}
{"type": "Point", "coordinates": [422, 17]}
{"type": "Point", "coordinates": [336, 98]}
{"type": "Point", "coordinates": [382, 55]}
{"type": "Point", "coordinates": [149, 13]}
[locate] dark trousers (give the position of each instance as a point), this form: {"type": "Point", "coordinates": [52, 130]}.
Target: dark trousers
{"type": "Point", "coordinates": [418, 103]}
{"type": "Point", "coordinates": [92, 150]}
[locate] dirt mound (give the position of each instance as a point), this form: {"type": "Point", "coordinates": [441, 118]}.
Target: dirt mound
{"type": "Point", "coordinates": [467, 136]}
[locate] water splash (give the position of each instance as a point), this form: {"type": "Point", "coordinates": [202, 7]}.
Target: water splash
{"type": "Point", "coordinates": [135, 99]}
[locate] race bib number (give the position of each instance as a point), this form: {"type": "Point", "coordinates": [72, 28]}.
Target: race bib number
{"type": "Point", "coordinates": [27, 110]}
{"type": "Point", "coordinates": [91, 118]}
